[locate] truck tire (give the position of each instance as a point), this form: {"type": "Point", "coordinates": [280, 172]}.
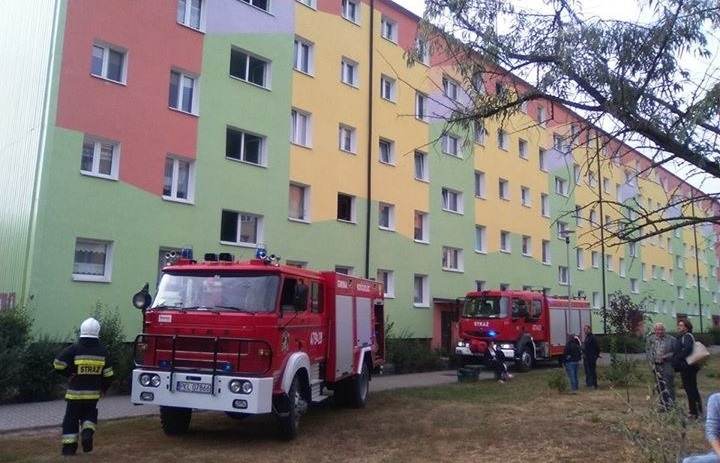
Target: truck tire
{"type": "Point", "coordinates": [175, 420]}
{"type": "Point", "coordinates": [297, 406]}
{"type": "Point", "coordinates": [527, 359]}
{"type": "Point", "coordinates": [360, 388]}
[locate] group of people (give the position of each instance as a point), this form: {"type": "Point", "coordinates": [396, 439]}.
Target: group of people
{"type": "Point", "coordinates": [587, 351]}
{"type": "Point", "coordinates": [667, 355]}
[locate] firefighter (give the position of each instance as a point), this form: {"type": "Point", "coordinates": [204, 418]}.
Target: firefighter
{"type": "Point", "coordinates": [87, 365]}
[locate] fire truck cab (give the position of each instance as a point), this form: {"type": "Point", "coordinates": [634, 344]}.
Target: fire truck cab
{"type": "Point", "coordinates": [527, 326]}
{"type": "Point", "coordinates": [255, 337]}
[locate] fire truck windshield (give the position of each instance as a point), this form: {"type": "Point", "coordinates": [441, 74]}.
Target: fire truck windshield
{"type": "Point", "coordinates": [246, 293]}
{"type": "Point", "coordinates": [486, 307]}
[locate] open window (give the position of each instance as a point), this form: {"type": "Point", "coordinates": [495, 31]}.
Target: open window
{"type": "Point", "coordinates": [316, 301]}
{"type": "Point", "coordinates": [519, 308]}
{"type": "Point", "coordinates": [535, 309]}
{"type": "Point", "coordinates": [294, 295]}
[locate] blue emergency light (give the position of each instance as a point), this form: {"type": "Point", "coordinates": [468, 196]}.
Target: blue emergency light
{"type": "Point", "coordinates": [492, 333]}
{"type": "Point", "coordinates": [186, 253]}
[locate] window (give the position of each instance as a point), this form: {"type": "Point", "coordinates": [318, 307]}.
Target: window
{"type": "Point", "coordinates": [563, 276]}
{"type": "Point", "coordinates": [505, 245]}
{"type": "Point", "coordinates": [503, 189]}
{"type": "Point", "coordinates": [541, 116]}
{"type": "Point", "coordinates": [621, 267]}
{"type": "Point", "coordinates": [351, 10]}
{"type": "Point", "coordinates": [349, 72]}
{"type": "Point", "coordinates": [593, 217]}
{"type": "Point", "coordinates": [183, 94]}
{"type": "Point", "coordinates": [316, 297]}
{"type": "Point", "coordinates": [544, 205]}
{"type": "Point", "coordinates": [577, 174]}
{"type": "Point", "coordinates": [108, 62]}
{"type": "Point", "coordinates": [541, 160]}
{"type": "Point", "coordinates": [345, 208]}
{"type": "Point", "coordinates": [387, 278]}
{"type": "Point", "coordinates": [608, 262]}
{"type": "Point", "coordinates": [421, 166]}
{"type": "Point", "coordinates": [578, 215]}
{"type": "Point", "coordinates": [421, 291]}
{"type": "Point", "coordinates": [595, 300]}
{"type": "Point", "coordinates": [560, 144]}
{"type": "Point", "coordinates": [100, 158]}
{"type": "Point", "coordinates": [479, 184]}
{"type": "Point", "coordinates": [545, 248]}
{"type": "Point", "coordinates": [502, 139]}
{"type": "Point", "coordinates": [190, 13]}
{"type": "Point", "coordinates": [480, 239]}
{"type": "Point", "coordinates": [525, 196]}
{"type": "Point", "coordinates": [310, 3]}
{"type": "Point", "coordinates": [678, 262]}
{"type": "Point", "coordinates": [653, 272]}
{"type": "Point", "coordinates": [300, 127]}
{"type": "Point", "coordinates": [632, 249]}
{"type": "Point", "coordinates": [606, 185]}
{"type": "Point", "coordinates": [452, 259]}
{"type": "Point", "coordinates": [451, 145]}
{"type": "Point", "coordinates": [452, 200]}
{"type": "Point", "coordinates": [504, 286]}
{"type": "Point", "coordinates": [344, 269]}
{"type": "Point", "coordinates": [592, 180]}
{"type": "Point", "coordinates": [347, 138]}
{"type": "Point", "coordinates": [523, 149]}
{"type": "Point", "coordinates": [526, 246]}
{"type": "Point", "coordinates": [480, 285]}
{"type": "Point", "coordinates": [241, 228]}
{"type": "Point", "coordinates": [303, 53]}
{"type": "Point", "coordinates": [389, 29]}
{"type": "Point", "coordinates": [423, 51]}
{"type": "Point", "coordinates": [662, 273]}
{"type": "Point", "coordinates": [299, 202]}
{"type": "Point", "coordinates": [179, 179]}
{"type": "Point", "coordinates": [261, 4]}
{"type": "Point", "coordinates": [643, 272]}
{"type": "Point", "coordinates": [450, 88]}
{"type": "Point", "coordinates": [421, 106]}
{"type": "Point", "coordinates": [387, 151]}
{"type": "Point", "coordinates": [245, 147]}
{"type": "Point", "coordinates": [580, 258]}
{"type": "Point", "coordinates": [421, 228]}
{"type": "Point", "coordinates": [249, 68]}
{"type": "Point", "coordinates": [561, 229]}
{"type": "Point", "coordinates": [386, 216]}
{"type": "Point", "coordinates": [634, 287]}
{"type": "Point", "coordinates": [93, 260]}
{"type": "Point", "coordinates": [561, 186]}
{"type": "Point", "coordinates": [387, 88]}
{"type": "Point", "coordinates": [480, 132]}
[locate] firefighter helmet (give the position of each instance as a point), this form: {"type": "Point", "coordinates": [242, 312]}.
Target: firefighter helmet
{"type": "Point", "coordinates": [90, 328]}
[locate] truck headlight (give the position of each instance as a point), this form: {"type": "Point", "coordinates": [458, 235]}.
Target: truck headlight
{"type": "Point", "coordinates": [461, 344]}
{"type": "Point", "coordinates": [149, 380]}
{"type": "Point", "coordinates": [239, 386]}
{"type": "Point", "coordinates": [506, 346]}
{"type": "Point", "coordinates": [247, 387]}
{"type": "Point", "coordinates": [155, 381]}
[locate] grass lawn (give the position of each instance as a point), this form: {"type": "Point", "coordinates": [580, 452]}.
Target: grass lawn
{"type": "Point", "coordinates": [523, 420]}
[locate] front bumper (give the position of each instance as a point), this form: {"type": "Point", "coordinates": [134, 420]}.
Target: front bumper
{"type": "Point", "coordinates": [466, 352]}
{"type": "Point", "coordinates": [257, 402]}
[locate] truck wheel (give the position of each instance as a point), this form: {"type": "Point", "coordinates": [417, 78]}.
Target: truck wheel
{"type": "Point", "coordinates": [360, 388]}
{"type": "Point", "coordinates": [527, 359]}
{"type": "Point", "coordinates": [297, 406]}
{"type": "Point", "coordinates": [175, 420]}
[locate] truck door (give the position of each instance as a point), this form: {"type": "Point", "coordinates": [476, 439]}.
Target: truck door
{"type": "Point", "coordinates": [294, 300]}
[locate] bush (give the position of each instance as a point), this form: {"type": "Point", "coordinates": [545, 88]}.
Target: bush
{"type": "Point", "coordinates": [614, 343]}
{"type": "Point", "coordinates": [111, 335]}
{"type": "Point", "coordinates": [15, 327]}
{"type": "Point", "coordinates": [558, 381]}
{"type": "Point", "coordinates": [714, 333]}
{"type": "Point", "coordinates": [408, 354]}
{"type": "Point", "coordinates": [621, 373]}
{"type": "Point", "coordinates": [39, 381]}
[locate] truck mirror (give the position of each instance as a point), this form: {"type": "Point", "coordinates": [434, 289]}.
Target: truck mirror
{"type": "Point", "coordinates": [142, 299]}
{"type": "Point", "coordinates": [300, 299]}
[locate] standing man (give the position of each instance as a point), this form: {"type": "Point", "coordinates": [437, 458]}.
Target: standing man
{"type": "Point", "coordinates": [87, 365]}
{"type": "Point", "coordinates": [660, 351]}
{"type": "Point", "coordinates": [591, 352]}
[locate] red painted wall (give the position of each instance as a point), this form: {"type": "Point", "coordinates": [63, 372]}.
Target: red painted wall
{"type": "Point", "coordinates": [136, 114]}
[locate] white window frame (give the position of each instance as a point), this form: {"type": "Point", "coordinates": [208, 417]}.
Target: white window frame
{"type": "Point", "coordinates": [106, 277]}
{"type": "Point", "coordinates": [622, 271]}
{"type": "Point", "coordinates": [297, 58]}
{"type": "Point", "coordinates": [580, 258]}
{"type": "Point", "coordinates": [561, 228]}
{"type": "Point", "coordinates": [525, 196]}
{"type": "Point", "coordinates": [595, 299]}
{"type": "Point", "coordinates": [391, 151]}
{"type": "Point", "coordinates": [421, 106]}
{"type": "Point", "coordinates": [97, 147]}
{"type": "Point", "coordinates": [502, 139]}
{"type": "Point", "coordinates": [262, 161]}
{"type": "Point", "coordinates": [387, 278]}
{"type": "Point", "coordinates": [388, 88]}
{"type": "Point", "coordinates": [563, 275]}
{"type": "Point", "coordinates": [175, 177]}
{"type": "Point", "coordinates": [561, 186]}
{"type": "Point", "coordinates": [451, 255]}
{"type": "Point", "coordinates": [259, 232]}
{"type": "Point", "coordinates": [296, 135]}
{"type": "Point", "coordinates": [480, 132]}
{"type": "Point", "coordinates": [425, 220]}
{"type": "Point", "coordinates": [425, 290]}
{"type": "Point", "coordinates": [481, 239]}
{"type": "Point", "coordinates": [345, 270]}
{"type": "Point", "coordinates": [353, 208]}
{"type": "Point", "coordinates": [545, 253]}
{"type": "Point", "coordinates": [505, 242]}
{"type": "Point", "coordinates": [451, 145]}
{"type": "Point", "coordinates": [451, 88]}
{"type": "Point", "coordinates": [346, 9]}
{"type": "Point", "coordinates": [545, 205]}
{"type": "Point", "coordinates": [194, 104]}
{"type": "Point", "coordinates": [252, 4]}
{"type": "Point", "coordinates": [345, 64]}
{"type": "Point", "coordinates": [391, 216]}
{"type": "Point", "coordinates": [595, 259]}
{"type": "Point", "coordinates": [309, 3]}
{"type": "Point", "coordinates": [446, 192]}
{"type": "Point", "coordinates": [542, 162]}
{"type": "Point", "coordinates": [526, 245]}
{"type": "Point", "coordinates": [393, 35]}
{"type": "Point", "coordinates": [353, 138]}
{"type": "Point", "coordinates": [480, 184]}
{"type": "Point", "coordinates": [186, 16]}
{"type": "Point", "coordinates": [634, 286]}
{"type": "Point", "coordinates": [523, 149]}
{"type": "Point", "coordinates": [106, 47]}
{"type": "Point", "coordinates": [425, 174]}
{"type": "Point", "coordinates": [504, 189]}
{"type": "Point", "coordinates": [306, 203]}
{"type": "Point", "coordinates": [423, 50]}
{"type": "Point", "coordinates": [267, 70]}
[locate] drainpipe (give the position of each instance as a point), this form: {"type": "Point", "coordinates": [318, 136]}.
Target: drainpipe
{"type": "Point", "coordinates": [371, 94]}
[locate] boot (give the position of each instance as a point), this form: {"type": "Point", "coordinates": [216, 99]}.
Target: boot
{"type": "Point", "coordinates": [69, 449]}
{"type": "Point", "coordinates": [87, 440]}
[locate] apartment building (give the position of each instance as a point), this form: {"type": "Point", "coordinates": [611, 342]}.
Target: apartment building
{"type": "Point", "coordinates": [221, 124]}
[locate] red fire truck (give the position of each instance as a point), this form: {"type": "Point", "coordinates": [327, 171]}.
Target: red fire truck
{"type": "Point", "coordinates": [526, 325]}
{"type": "Point", "coordinates": [255, 337]}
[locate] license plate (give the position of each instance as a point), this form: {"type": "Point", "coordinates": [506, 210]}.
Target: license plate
{"type": "Point", "coordinates": [201, 388]}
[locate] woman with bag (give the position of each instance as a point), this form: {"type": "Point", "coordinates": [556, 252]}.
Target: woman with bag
{"type": "Point", "coordinates": [688, 373]}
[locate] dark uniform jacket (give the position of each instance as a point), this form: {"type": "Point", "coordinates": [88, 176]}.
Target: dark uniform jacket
{"type": "Point", "coordinates": [590, 347]}
{"type": "Point", "coordinates": [572, 351]}
{"type": "Point", "coordinates": [87, 364]}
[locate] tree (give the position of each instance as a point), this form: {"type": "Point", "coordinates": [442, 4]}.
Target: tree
{"type": "Point", "coordinates": [650, 83]}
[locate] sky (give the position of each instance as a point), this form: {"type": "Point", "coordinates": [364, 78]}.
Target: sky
{"type": "Point", "coordinates": [416, 6]}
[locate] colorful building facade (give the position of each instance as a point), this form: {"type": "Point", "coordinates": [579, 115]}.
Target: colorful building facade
{"type": "Point", "coordinates": [221, 124]}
